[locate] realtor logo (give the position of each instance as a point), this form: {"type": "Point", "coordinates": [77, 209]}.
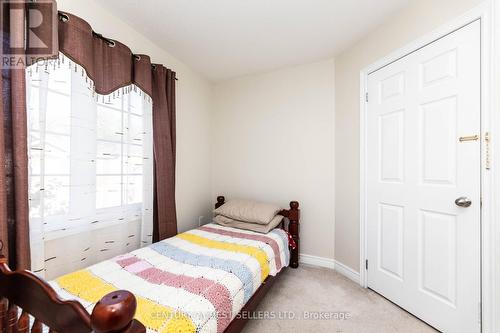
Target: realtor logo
{"type": "Point", "coordinates": [28, 35]}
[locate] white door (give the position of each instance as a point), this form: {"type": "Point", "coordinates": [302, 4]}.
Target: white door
{"type": "Point", "coordinates": [423, 248]}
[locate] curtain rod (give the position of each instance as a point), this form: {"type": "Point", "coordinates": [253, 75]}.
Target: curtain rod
{"type": "Point", "coordinates": [111, 43]}
{"type": "Point", "coordinates": [152, 65]}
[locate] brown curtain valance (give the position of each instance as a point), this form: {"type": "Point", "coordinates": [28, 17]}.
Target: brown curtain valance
{"type": "Point", "coordinates": [109, 63]}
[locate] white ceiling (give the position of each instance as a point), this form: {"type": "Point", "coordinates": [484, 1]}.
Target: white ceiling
{"type": "Point", "coordinates": [222, 39]}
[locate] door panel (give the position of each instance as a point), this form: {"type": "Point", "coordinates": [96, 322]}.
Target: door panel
{"type": "Point", "coordinates": [391, 146]}
{"type": "Point", "coordinates": [437, 255]}
{"type": "Point", "coordinates": [439, 127]}
{"type": "Point", "coordinates": [391, 240]}
{"type": "Point", "coordinates": [423, 249]}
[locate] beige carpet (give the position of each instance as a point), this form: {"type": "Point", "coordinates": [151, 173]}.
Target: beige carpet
{"type": "Point", "coordinates": [311, 291]}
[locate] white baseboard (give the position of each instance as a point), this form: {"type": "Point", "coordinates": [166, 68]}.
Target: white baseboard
{"type": "Point", "coordinates": [346, 271]}
{"type": "Point", "coordinates": [339, 267]}
{"type": "Point", "coordinates": [317, 261]}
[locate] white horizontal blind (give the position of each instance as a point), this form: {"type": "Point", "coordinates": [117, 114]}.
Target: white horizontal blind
{"type": "Point", "coordinates": [90, 168]}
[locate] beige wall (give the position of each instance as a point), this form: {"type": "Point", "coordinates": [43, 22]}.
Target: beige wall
{"type": "Point", "coordinates": [273, 141]}
{"type": "Point", "coordinates": [414, 21]}
{"type": "Point", "coordinates": [194, 101]}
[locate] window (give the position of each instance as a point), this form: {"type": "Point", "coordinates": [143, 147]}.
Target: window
{"type": "Point", "coordinates": [90, 156]}
{"type": "Point", "coordinates": [119, 163]}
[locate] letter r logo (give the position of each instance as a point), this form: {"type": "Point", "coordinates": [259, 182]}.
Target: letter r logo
{"type": "Point", "coordinates": [35, 20]}
{"type": "Point", "coordinates": [30, 28]}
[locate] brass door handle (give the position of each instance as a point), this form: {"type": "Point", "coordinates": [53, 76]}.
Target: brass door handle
{"type": "Point", "coordinates": [469, 138]}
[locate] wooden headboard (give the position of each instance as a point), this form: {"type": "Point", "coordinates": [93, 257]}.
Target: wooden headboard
{"type": "Point", "coordinates": [293, 216]}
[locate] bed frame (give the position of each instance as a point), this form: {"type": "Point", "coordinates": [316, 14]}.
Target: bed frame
{"type": "Point", "coordinates": [23, 292]}
{"type": "Point", "coordinates": [293, 217]}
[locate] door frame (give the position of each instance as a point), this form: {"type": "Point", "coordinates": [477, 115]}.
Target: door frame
{"type": "Point", "coordinates": [486, 12]}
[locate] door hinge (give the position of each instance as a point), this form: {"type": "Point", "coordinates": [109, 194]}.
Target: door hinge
{"type": "Point", "coordinates": [366, 264]}
{"type": "Point", "coordinates": [366, 97]}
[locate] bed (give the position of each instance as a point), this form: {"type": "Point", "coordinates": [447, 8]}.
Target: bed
{"type": "Point", "coordinates": [204, 280]}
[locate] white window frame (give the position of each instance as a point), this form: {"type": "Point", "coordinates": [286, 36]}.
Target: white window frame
{"type": "Point", "coordinates": [57, 225]}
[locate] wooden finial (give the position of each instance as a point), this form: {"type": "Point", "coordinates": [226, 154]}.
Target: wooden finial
{"type": "Point", "coordinates": [114, 312]}
{"type": "Point", "coordinates": [294, 205]}
{"type": "Point", "coordinates": [220, 201]}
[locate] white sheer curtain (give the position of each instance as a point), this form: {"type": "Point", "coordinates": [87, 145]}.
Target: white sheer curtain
{"type": "Point", "coordinates": [90, 168]}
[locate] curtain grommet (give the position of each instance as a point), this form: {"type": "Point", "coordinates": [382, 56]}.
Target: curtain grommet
{"type": "Point", "coordinates": [111, 43]}
{"type": "Point", "coordinates": [63, 17]}
{"type": "Point", "coordinates": [137, 57]}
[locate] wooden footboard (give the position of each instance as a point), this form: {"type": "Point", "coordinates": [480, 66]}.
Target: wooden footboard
{"type": "Point", "coordinates": [23, 292]}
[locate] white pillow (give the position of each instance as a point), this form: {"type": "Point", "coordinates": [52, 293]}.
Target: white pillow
{"type": "Point", "coordinates": [248, 211]}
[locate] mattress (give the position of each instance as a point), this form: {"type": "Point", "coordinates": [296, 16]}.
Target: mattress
{"type": "Point", "coordinates": [197, 281]}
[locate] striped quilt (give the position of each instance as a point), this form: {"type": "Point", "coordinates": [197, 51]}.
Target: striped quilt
{"type": "Point", "coordinates": [197, 281]}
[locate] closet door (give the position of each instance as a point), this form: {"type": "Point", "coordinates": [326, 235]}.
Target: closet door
{"type": "Point", "coordinates": [423, 181]}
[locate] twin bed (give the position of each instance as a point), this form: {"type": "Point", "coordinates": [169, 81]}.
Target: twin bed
{"type": "Point", "coordinates": [205, 280]}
